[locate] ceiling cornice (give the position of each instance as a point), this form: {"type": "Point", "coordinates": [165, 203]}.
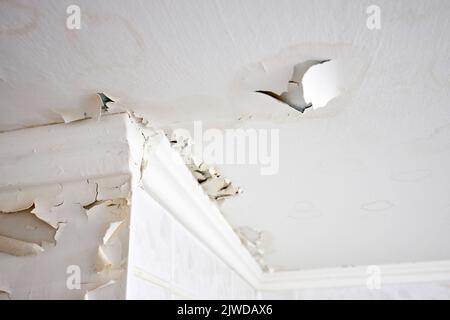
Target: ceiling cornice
{"type": "Point", "coordinates": [89, 149]}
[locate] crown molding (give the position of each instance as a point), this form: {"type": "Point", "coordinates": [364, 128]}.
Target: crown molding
{"type": "Point", "coordinates": [114, 145]}
{"type": "Point", "coordinates": [64, 152]}
{"type": "Point", "coordinates": [401, 273]}
{"type": "Point", "coordinates": [168, 180]}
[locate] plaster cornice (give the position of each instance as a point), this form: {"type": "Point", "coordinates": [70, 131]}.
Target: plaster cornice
{"type": "Point", "coordinates": [90, 149]}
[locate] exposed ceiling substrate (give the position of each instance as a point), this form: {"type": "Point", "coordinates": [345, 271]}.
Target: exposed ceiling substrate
{"type": "Point", "coordinates": [364, 180]}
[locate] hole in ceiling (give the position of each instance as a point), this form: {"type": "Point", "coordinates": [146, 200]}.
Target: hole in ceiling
{"type": "Point", "coordinates": [314, 83]}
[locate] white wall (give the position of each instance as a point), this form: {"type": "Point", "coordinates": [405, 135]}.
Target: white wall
{"type": "Point", "coordinates": [167, 262]}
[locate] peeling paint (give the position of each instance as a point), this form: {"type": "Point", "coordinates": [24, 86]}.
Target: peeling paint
{"type": "Point", "coordinates": [112, 229]}
{"type": "Point", "coordinates": [73, 115]}
{"type": "Point", "coordinates": [299, 90]}
{"type": "Point", "coordinates": [217, 187]}
{"type": "Point", "coordinates": [101, 292]}
{"type": "Point", "coordinates": [25, 226]}
{"type": "Point", "coordinates": [59, 230]}
{"type": "Point", "coordinates": [20, 199]}
{"type": "Point", "coordinates": [66, 222]}
{"type": "Point", "coordinates": [44, 210]}
{"type": "Point", "coordinates": [108, 104]}
{"type": "Point", "coordinates": [19, 248]}
{"type": "Point", "coordinates": [112, 187]}
{"type": "Point", "coordinates": [5, 292]}
{"type": "Point", "coordinates": [256, 242]}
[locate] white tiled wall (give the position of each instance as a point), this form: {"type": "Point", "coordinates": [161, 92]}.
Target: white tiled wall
{"type": "Point", "coordinates": [166, 261]}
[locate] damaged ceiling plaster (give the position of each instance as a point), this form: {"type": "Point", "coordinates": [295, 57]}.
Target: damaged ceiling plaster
{"type": "Point", "coordinates": [367, 172]}
{"type": "Point", "coordinates": [311, 85]}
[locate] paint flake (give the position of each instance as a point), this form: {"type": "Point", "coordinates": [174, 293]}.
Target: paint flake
{"type": "Point", "coordinates": [19, 248]}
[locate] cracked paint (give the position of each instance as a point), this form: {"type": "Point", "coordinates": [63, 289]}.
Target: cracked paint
{"type": "Point", "coordinates": [217, 187]}
{"type": "Point", "coordinates": [257, 243]}
{"type": "Point", "coordinates": [66, 223]}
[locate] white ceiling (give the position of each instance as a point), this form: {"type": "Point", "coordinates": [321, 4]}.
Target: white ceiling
{"type": "Point", "coordinates": [365, 180]}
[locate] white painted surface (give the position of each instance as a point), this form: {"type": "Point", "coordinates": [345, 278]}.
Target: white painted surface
{"type": "Point", "coordinates": [416, 291]}
{"type": "Point", "coordinates": [65, 152]}
{"type": "Point", "coordinates": [362, 181]}
{"type": "Point", "coordinates": [166, 261]}
{"type": "Point", "coordinates": [167, 179]}
{"type": "Point", "coordinates": [361, 276]}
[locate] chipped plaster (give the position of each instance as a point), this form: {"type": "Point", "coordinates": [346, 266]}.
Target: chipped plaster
{"type": "Point", "coordinates": [82, 236]}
